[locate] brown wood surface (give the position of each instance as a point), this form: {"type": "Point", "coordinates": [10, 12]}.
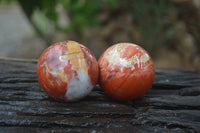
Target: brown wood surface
{"type": "Point", "coordinates": [172, 105]}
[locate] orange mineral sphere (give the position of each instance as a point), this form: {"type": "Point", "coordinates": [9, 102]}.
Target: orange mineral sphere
{"type": "Point", "coordinates": [126, 71]}
{"type": "Point", "coordinates": [67, 71]}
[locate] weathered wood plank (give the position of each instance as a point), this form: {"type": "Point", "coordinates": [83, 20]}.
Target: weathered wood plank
{"type": "Point", "coordinates": [171, 105]}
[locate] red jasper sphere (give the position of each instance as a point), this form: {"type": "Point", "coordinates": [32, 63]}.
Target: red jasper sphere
{"type": "Point", "coordinates": [67, 71]}
{"type": "Point", "coordinates": [126, 71]}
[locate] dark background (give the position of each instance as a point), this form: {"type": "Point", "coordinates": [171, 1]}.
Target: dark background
{"type": "Point", "coordinates": [168, 29]}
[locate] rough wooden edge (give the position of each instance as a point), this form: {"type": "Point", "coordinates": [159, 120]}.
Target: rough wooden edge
{"type": "Point", "coordinates": [19, 59]}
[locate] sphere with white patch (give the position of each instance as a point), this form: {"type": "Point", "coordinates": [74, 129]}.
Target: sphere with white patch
{"type": "Point", "coordinates": [126, 71]}
{"type": "Point", "coordinates": [67, 71]}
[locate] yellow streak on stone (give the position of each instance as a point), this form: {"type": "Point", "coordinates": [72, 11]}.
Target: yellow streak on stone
{"type": "Point", "coordinates": [135, 60]}
{"type": "Point", "coordinates": [114, 56]}
{"type": "Point", "coordinates": [76, 56]}
{"type": "Point", "coordinates": [132, 61]}
{"type": "Point", "coordinates": [56, 74]}
{"type": "Point", "coordinates": [144, 58]}
{"type": "Point", "coordinates": [120, 46]}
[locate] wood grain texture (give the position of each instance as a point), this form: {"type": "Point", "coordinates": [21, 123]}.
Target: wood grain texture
{"type": "Point", "coordinates": [171, 105]}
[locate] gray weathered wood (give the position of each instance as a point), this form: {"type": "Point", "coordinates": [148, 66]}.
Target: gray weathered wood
{"type": "Point", "coordinates": [171, 105]}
